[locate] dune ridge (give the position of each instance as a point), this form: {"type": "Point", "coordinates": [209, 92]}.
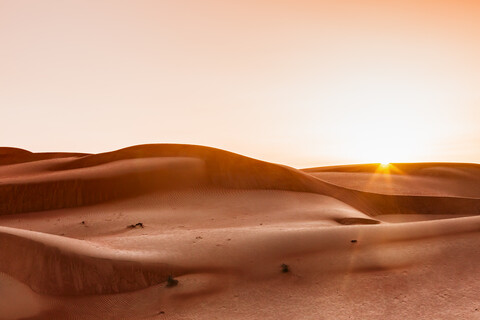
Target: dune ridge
{"type": "Point", "coordinates": [214, 167]}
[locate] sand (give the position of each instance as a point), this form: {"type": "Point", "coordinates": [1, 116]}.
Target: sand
{"type": "Point", "coordinates": [98, 237]}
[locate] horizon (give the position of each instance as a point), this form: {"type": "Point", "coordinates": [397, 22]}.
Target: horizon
{"type": "Point", "coordinates": [380, 164]}
{"type": "Point", "coordinates": [298, 83]}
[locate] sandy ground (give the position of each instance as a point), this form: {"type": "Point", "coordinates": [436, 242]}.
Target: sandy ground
{"type": "Point", "coordinates": [98, 236]}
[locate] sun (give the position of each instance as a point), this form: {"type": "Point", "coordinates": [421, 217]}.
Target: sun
{"type": "Point", "coordinates": [384, 165]}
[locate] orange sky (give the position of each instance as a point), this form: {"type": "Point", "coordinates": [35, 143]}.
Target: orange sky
{"type": "Point", "coordinates": [303, 83]}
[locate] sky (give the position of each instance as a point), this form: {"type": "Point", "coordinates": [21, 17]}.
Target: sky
{"type": "Point", "coordinates": [302, 83]}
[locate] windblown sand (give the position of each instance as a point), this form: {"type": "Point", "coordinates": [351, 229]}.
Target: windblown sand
{"type": "Point", "coordinates": [97, 237]}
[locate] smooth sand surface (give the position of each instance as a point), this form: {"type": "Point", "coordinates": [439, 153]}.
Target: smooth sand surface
{"type": "Point", "coordinates": [98, 236]}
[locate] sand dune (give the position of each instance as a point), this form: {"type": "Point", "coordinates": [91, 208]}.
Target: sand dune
{"type": "Point", "coordinates": [97, 237]}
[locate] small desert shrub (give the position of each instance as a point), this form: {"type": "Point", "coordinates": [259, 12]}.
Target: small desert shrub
{"type": "Point", "coordinates": [171, 282]}
{"type": "Point", "coordinates": [133, 226]}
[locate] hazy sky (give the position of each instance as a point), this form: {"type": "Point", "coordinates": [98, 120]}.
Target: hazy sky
{"type": "Point", "coordinates": [302, 83]}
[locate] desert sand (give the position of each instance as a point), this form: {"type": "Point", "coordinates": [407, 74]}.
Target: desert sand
{"type": "Point", "coordinates": [190, 232]}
